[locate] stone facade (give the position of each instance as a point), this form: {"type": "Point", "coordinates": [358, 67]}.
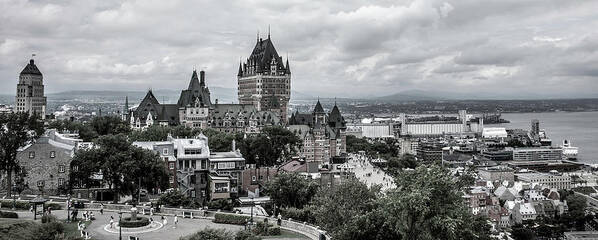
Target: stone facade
{"type": "Point", "coordinates": [47, 162]}
{"type": "Point", "coordinates": [264, 81]}
{"type": "Point", "coordinates": [194, 109]}
{"type": "Point", "coordinates": [30, 91]}
{"type": "Point", "coordinates": [323, 134]}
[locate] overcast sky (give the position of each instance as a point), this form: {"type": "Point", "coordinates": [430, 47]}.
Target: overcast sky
{"type": "Point", "coordinates": [342, 48]}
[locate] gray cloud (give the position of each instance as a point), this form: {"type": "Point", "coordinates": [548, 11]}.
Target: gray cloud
{"type": "Point", "coordinates": [346, 48]}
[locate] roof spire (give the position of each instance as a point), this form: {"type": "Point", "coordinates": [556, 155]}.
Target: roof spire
{"type": "Point", "coordinates": [240, 69]}
{"type": "Point", "coordinates": [258, 36]}
{"type": "Point", "coordinates": [268, 31]}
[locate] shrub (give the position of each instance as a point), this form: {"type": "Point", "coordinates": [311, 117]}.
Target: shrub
{"type": "Point", "coordinates": [265, 229]}
{"type": "Point", "coordinates": [177, 199]}
{"type": "Point", "coordinates": [49, 230]}
{"type": "Point", "coordinates": [303, 215]}
{"type": "Point", "coordinates": [230, 219]}
{"type": "Point", "coordinates": [8, 214]}
{"type": "Point", "coordinates": [21, 205]}
{"type": "Point", "coordinates": [48, 218]}
{"type": "Point", "coordinates": [246, 235]}
{"type": "Point", "coordinates": [139, 222]}
{"type": "Point", "coordinates": [54, 206]}
{"type": "Point", "coordinates": [210, 234]}
{"type": "Point", "coordinates": [222, 204]}
{"type": "Point", "coordinates": [273, 231]}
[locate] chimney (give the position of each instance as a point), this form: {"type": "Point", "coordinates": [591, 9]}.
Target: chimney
{"type": "Point", "coordinates": [202, 78]}
{"type": "Point", "coordinates": [234, 146]}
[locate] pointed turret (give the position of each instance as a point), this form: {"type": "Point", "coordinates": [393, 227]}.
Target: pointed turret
{"type": "Point", "coordinates": [287, 67]}
{"type": "Point", "coordinates": [240, 70]}
{"type": "Point", "coordinates": [194, 83]}
{"type": "Point", "coordinates": [319, 108]}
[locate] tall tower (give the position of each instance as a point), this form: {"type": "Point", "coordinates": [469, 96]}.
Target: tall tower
{"type": "Point", "coordinates": [30, 91]}
{"type": "Point", "coordinates": [264, 80]}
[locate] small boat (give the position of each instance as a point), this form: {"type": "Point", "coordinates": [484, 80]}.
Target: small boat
{"type": "Point", "coordinates": [569, 152]}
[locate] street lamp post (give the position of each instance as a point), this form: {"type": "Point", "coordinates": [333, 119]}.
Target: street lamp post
{"type": "Point", "coordinates": [68, 208]}
{"type": "Point", "coordinates": [14, 197]}
{"type": "Point", "coordinates": [120, 232]}
{"type": "Point", "coordinates": [252, 203]}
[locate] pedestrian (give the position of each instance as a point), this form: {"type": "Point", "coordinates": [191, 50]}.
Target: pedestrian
{"type": "Point", "coordinates": [102, 208]}
{"type": "Point", "coordinates": [91, 217]}
{"type": "Point", "coordinates": [164, 221]}
{"type": "Point", "coordinates": [176, 220]}
{"type": "Point", "coordinates": [111, 222]}
{"type": "Point", "coordinates": [31, 208]}
{"type": "Point", "coordinates": [152, 211]}
{"type": "Point", "coordinates": [151, 221]}
{"type": "Point", "coordinates": [49, 210]}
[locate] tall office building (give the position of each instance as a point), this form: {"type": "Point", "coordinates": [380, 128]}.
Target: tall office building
{"type": "Point", "coordinates": [30, 91]}
{"type": "Point", "coordinates": [535, 127]}
{"type": "Point", "coordinates": [264, 80]}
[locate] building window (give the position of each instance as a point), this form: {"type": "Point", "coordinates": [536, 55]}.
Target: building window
{"type": "Point", "coordinates": [60, 181]}
{"type": "Point", "coordinates": [165, 151]}
{"type": "Point", "coordinates": [40, 183]}
{"type": "Point", "coordinates": [171, 165]}
{"type": "Point", "coordinates": [253, 178]}
{"type": "Point", "coordinates": [75, 168]}
{"type": "Point", "coordinates": [171, 179]}
{"type": "Point", "coordinates": [31, 154]}
{"type": "Point", "coordinates": [52, 154]}
{"type": "Point", "coordinates": [61, 168]}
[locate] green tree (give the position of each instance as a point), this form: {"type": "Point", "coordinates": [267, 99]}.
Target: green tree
{"type": "Point", "coordinates": [349, 211]}
{"type": "Point", "coordinates": [122, 165]}
{"type": "Point", "coordinates": [427, 205]}
{"type": "Point", "coordinates": [16, 131]}
{"type": "Point", "coordinates": [176, 199]}
{"type": "Point", "coordinates": [291, 190]}
{"type": "Point", "coordinates": [577, 205]}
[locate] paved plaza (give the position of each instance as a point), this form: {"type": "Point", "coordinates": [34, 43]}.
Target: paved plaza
{"type": "Point", "coordinates": [369, 174]}
{"type": "Point", "coordinates": [184, 227]}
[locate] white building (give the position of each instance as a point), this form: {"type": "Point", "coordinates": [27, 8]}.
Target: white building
{"type": "Point", "coordinates": [552, 180]}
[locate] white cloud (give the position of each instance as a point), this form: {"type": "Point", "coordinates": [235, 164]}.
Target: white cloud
{"type": "Point", "coordinates": [348, 48]}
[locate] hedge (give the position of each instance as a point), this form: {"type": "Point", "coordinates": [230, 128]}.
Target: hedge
{"type": "Point", "coordinates": [8, 214]}
{"type": "Point", "coordinates": [21, 205]}
{"type": "Point", "coordinates": [266, 229]}
{"type": "Point", "coordinates": [231, 219]}
{"type": "Point", "coordinates": [140, 222]}
{"type": "Point", "coordinates": [54, 206]}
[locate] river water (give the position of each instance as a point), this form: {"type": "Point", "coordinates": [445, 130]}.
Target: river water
{"type": "Point", "coordinates": [581, 128]}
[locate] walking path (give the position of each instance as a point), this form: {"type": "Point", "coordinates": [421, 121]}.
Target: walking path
{"type": "Point", "coordinates": [369, 174]}
{"type": "Point", "coordinates": [99, 228]}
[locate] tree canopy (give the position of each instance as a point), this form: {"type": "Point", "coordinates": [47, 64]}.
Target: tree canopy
{"type": "Point", "coordinates": [16, 131]}
{"type": "Point", "coordinates": [122, 165]}
{"type": "Point", "coordinates": [291, 190]}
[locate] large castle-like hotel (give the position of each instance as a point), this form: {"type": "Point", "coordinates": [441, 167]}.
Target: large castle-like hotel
{"type": "Point", "coordinates": [264, 88]}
